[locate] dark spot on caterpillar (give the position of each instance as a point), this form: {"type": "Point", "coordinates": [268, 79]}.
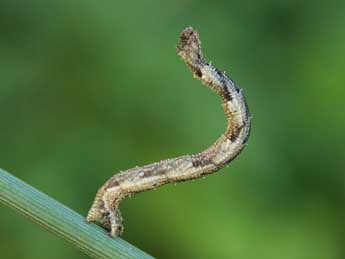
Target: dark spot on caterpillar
{"type": "Point", "coordinates": [219, 73]}
{"type": "Point", "coordinates": [198, 72]}
{"type": "Point", "coordinates": [237, 88]}
{"type": "Point", "coordinates": [147, 174]}
{"type": "Point", "coordinates": [101, 203]}
{"type": "Point", "coordinates": [200, 161]}
{"type": "Point", "coordinates": [156, 171]}
{"type": "Point", "coordinates": [112, 183]}
{"type": "Point", "coordinates": [226, 94]}
{"type": "Point", "coordinates": [247, 135]}
{"type": "Point", "coordinates": [235, 133]}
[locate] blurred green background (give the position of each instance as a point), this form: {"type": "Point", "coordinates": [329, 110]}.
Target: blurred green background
{"type": "Point", "coordinates": [89, 88]}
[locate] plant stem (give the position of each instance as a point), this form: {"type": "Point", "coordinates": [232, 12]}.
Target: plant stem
{"type": "Point", "coordinates": [62, 221]}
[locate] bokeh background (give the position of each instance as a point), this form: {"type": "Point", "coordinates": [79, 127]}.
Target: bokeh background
{"type": "Point", "coordinates": [89, 88]}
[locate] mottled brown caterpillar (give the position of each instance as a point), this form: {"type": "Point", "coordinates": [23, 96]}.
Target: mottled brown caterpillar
{"type": "Point", "coordinates": [105, 208]}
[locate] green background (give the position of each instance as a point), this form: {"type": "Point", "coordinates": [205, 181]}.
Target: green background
{"type": "Point", "coordinates": [89, 88]}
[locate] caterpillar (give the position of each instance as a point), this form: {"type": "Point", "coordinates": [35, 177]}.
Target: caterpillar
{"type": "Point", "coordinates": [105, 208]}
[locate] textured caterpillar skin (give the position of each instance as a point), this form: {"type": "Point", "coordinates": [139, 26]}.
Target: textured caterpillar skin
{"type": "Point", "coordinates": [105, 208]}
